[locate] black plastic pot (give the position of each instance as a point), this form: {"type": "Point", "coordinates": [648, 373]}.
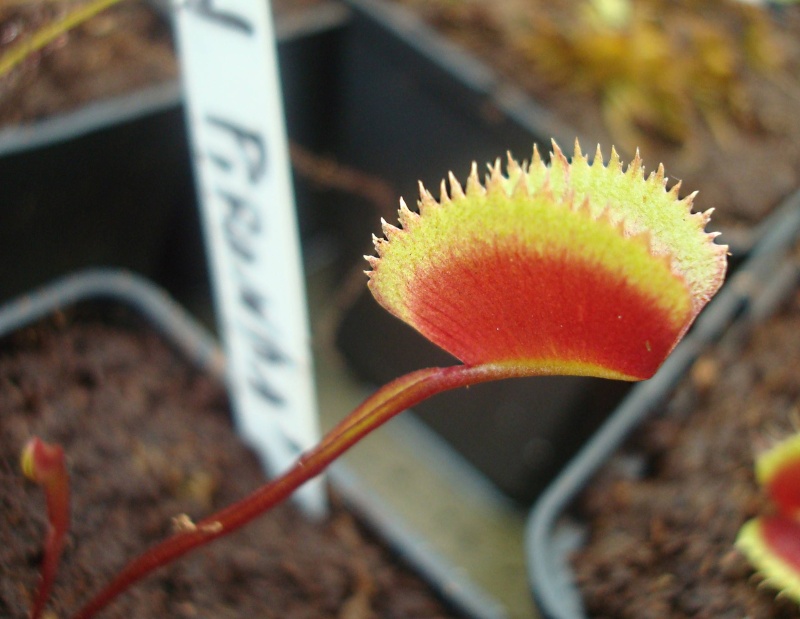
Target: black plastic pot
{"type": "Point", "coordinates": [369, 84]}
{"type": "Point", "coordinates": [111, 183]}
{"type": "Point", "coordinates": [554, 530]}
{"type": "Point", "coordinates": [116, 291]}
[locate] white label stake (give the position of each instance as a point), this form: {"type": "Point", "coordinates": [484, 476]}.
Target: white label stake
{"type": "Point", "coordinates": [235, 117]}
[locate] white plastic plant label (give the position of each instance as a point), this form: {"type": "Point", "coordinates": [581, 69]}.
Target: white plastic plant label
{"type": "Point", "coordinates": [235, 117]}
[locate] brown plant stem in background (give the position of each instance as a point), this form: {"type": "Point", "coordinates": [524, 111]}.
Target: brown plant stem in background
{"type": "Point", "coordinates": [329, 174]}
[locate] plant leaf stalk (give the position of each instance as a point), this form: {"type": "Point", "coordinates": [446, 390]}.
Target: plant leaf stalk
{"type": "Point", "coordinates": [388, 401]}
{"type": "Point", "coordinates": [50, 32]}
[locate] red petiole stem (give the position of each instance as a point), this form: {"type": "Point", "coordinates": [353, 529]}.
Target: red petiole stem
{"type": "Point", "coordinates": [45, 465]}
{"type": "Point", "coordinates": [385, 403]}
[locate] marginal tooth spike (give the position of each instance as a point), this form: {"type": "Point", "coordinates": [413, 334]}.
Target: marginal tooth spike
{"type": "Point", "coordinates": [379, 244]}
{"type": "Point", "coordinates": [407, 218]}
{"type": "Point", "coordinates": [426, 200]}
{"type": "Point", "coordinates": [558, 156]}
{"type": "Point", "coordinates": [456, 192]}
{"type": "Point", "coordinates": [635, 168]}
{"type": "Point", "coordinates": [444, 198]}
{"type": "Point", "coordinates": [675, 189]}
{"type": "Point", "coordinates": [389, 231]}
{"type": "Point", "coordinates": [373, 262]}
{"type": "Point", "coordinates": [536, 159]}
{"type": "Point", "coordinates": [495, 179]}
{"type": "Point", "coordinates": [660, 175]}
{"type": "Point", "coordinates": [614, 162]}
{"type": "Point", "coordinates": [577, 154]}
{"type": "Point", "coordinates": [689, 200]}
{"type": "Point", "coordinates": [699, 219]}
{"type": "Point", "coordinates": [422, 191]}
{"type": "Point", "coordinates": [474, 187]}
{"type": "Point", "coordinates": [598, 156]}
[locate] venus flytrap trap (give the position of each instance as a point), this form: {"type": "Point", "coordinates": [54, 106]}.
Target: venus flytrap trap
{"type": "Point", "coordinates": [573, 268]}
{"type": "Point", "coordinates": [772, 542]}
{"type": "Point", "coordinates": [44, 464]}
{"type": "Point", "coordinates": [579, 269]}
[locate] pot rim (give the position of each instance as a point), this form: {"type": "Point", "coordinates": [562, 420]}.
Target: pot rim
{"type": "Point", "coordinates": [192, 340]}
{"type": "Point", "coordinates": [108, 112]}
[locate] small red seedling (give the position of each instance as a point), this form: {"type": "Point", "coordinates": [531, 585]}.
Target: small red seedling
{"type": "Point", "coordinates": [573, 268]}
{"type": "Point", "coordinates": [44, 464]}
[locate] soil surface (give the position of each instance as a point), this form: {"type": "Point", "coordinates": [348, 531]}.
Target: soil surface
{"type": "Point", "coordinates": [147, 438]}
{"type": "Point", "coordinates": [710, 89]}
{"type": "Point", "coordinates": [123, 49]}
{"type": "Point", "coordinates": [120, 50]}
{"type": "Point", "coordinates": [664, 515]}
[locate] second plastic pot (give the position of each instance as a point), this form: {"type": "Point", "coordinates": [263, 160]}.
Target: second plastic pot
{"type": "Point", "coordinates": [555, 527]}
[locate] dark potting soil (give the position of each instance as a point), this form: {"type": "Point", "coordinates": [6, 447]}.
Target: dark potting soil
{"type": "Point", "coordinates": [743, 160]}
{"type": "Point", "coordinates": [661, 538]}
{"type": "Point", "coordinates": [148, 437]}
{"type": "Point", "coordinates": [121, 50]}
